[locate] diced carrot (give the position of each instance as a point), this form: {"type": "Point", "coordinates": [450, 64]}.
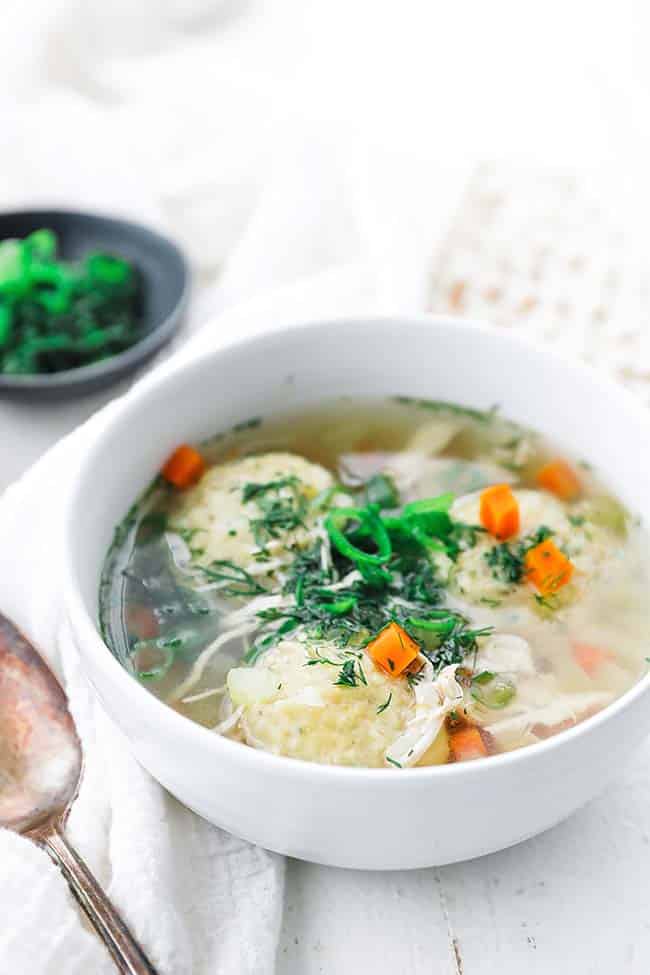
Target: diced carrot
{"type": "Point", "coordinates": [467, 743]}
{"type": "Point", "coordinates": [393, 650]}
{"type": "Point", "coordinates": [500, 511]}
{"type": "Point", "coordinates": [541, 730]}
{"type": "Point", "coordinates": [560, 479]}
{"type": "Point", "coordinates": [142, 621]}
{"type": "Point", "coordinates": [184, 468]}
{"type": "Point", "coordinates": [547, 567]}
{"type": "Point", "coordinates": [590, 658]}
{"type": "Point", "coordinates": [544, 731]}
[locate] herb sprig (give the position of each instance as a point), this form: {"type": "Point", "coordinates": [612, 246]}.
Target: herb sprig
{"type": "Point", "coordinates": [280, 512]}
{"type": "Point", "coordinates": [239, 581]}
{"type": "Point", "coordinates": [507, 560]}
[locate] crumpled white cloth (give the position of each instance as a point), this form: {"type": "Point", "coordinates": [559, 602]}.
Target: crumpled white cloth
{"type": "Point", "coordinates": [282, 224]}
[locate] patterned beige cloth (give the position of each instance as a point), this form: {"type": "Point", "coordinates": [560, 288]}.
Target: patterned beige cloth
{"type": "Point", "coordinates": [554, 255]}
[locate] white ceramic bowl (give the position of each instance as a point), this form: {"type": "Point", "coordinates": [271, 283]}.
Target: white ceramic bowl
{"type": "Point", "coordinates": [366, 818]}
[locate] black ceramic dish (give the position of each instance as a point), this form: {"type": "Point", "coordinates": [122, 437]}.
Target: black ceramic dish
{"type": "Point", "coordinates": [165, 277]}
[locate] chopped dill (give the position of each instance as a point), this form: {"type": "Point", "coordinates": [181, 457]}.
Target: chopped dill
{"type": "Point", "coordinates": [348, 676]}
{"type": "Point", "coordinates": [413, 679]}
{"type": "Point", "coordinates": [460, 537]}
{"type": "Point", "coordinates": [549, 603]}
{"type": "Point", "coordinates": [318, 659]}
{"type": "Point", "coordinates": [279, 512]}
{"type": "Point", "coordinates": [254, 490]}
{"type": "Point", "coordinates": [251, 424]}
{"type": "Point", "coordinates": [460, 643]}
{"type": "Point", "coordinates": [483, 416]}
{"type": "Point", "coordinates": [240, 582]}
{"type": "Point", "coordinates": [386, 704]}
{"type": "Point", "coordinates": [507, 560]}
{"type": "Point", "coordinates": [187, 534]}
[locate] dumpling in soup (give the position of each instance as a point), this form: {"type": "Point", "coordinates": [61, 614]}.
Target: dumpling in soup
{"type": "Point", "coordinates": [253, 507]}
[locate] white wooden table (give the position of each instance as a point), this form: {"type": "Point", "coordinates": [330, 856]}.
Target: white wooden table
{"type": "Point", "coordinates": [574, 900]}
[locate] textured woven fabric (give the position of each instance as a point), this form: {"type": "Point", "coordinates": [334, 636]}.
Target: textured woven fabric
{"type": "Point", "coordinates": [554, 255]}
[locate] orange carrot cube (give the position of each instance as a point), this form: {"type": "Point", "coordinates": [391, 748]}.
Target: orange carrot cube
{"type": "Point", "coordinates": [560, 479]}
{"type": "Point", "coordinates": [499, 511]}
{"type": "Point", "coordinates": [184, 468]}
{"type": "Point", "coordinates": [590, 658]}
{"type": "Point", "coordinates": [547, 567]}
{"type": "Point", "coordinates": [393, 650]}
{"type": "Point", "coordinates": [467, 744]}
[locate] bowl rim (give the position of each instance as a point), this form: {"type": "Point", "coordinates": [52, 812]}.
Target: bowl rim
{"type": "Point", "coordinates": [123, 361]}
{"type": "Point", "coordinates": [156, 712]}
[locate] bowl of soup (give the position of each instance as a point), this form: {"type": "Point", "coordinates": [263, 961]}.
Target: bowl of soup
{"type": "Point", "coordinates": [372, 593]}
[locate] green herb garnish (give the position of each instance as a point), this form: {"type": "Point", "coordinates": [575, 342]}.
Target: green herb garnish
{"type": "Point", "coordinates": [369, 528]}
{"type": "Point", "coordinates": [382, 707]}
{"type": "Point", "coordinates": [380, 490]}
{"type": "Point", "coordinates": [441, 406]}
{"type": "Point", "coordinates": [318, 659]}
{"type": "Point", "coordinates": [251, 424]}
{"type": "Point", "coordinates": [492, 691]}
{"type": "Point", "coordinates": [241, 582]}
{"type": "Point", "coordinates": [279, 512]}
{"type": "Point", "coordinates": [57, 314]}
{"type": "Point", "coordinates": [507, 560]}
{"type": "Point", "coordinates": [348, 676]}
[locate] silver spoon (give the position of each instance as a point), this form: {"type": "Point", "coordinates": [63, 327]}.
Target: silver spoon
{"type": "Point", "coordinates": [40, 770]}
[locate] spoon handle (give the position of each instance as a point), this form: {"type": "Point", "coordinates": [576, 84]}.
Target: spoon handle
{"type": "Point", "coordinates": [125, 950]}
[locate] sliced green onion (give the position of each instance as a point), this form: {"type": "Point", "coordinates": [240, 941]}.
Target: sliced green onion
{"type": "Point", "coordinates": [155, 671]}
{"type": "Point", "coordinates": [300, 587]}
{"type": "Point", "coordinates": [5, 324]}
{"type": "Point", "coordinates": [42, 244]}
{"type": "Point", "coordinates": [381, 491]}
{"type": "Point", "coordinates": [427, 522]}
{"type": "Point", "coordinates": [425, 539]}
{"type": "Point", "coordinates": [440, 626]}
{"type": "Point", "coordinates": [61, 314]}
{"type": "Point", "coordinates": [484, 677]}
{"type": "Point", "coordinates": [324, 498]}
{"type": "Point", "coordinates": [374, 575]}
{"type": "Point", "coordinates": [426, 506]}
{"type": "Point", "coordinates": [341, 606]}
{"type": "Point", "coordinates": [493, 691]}
{"type": "Point", "coordinates": [370, 523]}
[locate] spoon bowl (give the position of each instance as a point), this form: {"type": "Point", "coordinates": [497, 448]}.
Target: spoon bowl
{"type": "Point", "coordinates": [41, 764]}
{"type": "Point", "coordinates": [40, 753]}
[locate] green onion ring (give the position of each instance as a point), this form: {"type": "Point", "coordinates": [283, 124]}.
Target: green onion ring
{"type": "Point", "coordinates": [336, 521]}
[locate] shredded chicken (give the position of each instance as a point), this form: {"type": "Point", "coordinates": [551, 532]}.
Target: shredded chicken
{"type": "Point", "coordinates": [434, 699]}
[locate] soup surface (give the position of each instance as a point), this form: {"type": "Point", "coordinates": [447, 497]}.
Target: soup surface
{"type": "Point", "coordinates": [379, 583]}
